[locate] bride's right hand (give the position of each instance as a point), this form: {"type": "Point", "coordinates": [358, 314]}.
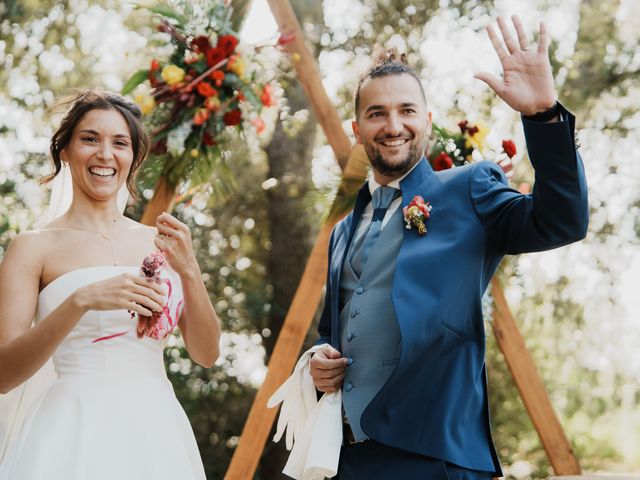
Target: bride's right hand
{"type": "Point", "coordinates": [123, 292]}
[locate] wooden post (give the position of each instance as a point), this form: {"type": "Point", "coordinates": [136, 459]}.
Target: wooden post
{"type": "Point", "coordinates": [310, 79]}
{"type": "Point", "coordinates": [530, 386]}
{"type": "Point", "coordinates": [163, 199]}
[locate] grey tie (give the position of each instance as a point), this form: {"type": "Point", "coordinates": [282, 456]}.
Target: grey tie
{"type": "Point", "coordinates": [381, 199]}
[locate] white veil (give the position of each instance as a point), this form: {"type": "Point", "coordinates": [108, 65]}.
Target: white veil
{"type": "Point", "coordinates": [15, 404]}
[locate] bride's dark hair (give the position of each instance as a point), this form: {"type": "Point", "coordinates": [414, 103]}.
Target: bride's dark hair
{"type": "Point", "coordinates": [81, 103]}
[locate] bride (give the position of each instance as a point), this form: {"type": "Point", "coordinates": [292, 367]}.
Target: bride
{"type": "Point", "coordinates": [111, 412]}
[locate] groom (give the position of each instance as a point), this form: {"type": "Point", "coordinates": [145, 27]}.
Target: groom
{"type": "Point", "coordinates": [402, 310]}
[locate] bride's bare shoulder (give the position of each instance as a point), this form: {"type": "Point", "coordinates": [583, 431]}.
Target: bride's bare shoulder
{"type": "Point", "coordinates": [28, 250]}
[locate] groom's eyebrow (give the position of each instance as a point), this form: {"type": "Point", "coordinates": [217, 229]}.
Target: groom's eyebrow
{"type": "Point", "coordinates": [373, 108]}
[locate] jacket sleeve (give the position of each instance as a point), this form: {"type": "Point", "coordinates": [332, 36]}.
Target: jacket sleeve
{"type": "Point", "coordinates": [555, 213]}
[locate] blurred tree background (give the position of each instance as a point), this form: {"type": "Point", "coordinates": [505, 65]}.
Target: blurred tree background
{"type": "Point", "coordinates": [576, 307]}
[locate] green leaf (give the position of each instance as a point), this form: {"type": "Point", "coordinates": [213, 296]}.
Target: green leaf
{"type": "Point", "coordinates": [135, 80]}
{"type": "Point", "coordinates": [168, 12]}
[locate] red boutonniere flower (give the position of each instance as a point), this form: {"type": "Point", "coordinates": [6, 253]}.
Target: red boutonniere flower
{"type": "Point", "coordinates": [416, 214]}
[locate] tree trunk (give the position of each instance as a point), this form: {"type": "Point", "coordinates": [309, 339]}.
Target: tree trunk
{"type": "Point", "coordinates": [292, 226]}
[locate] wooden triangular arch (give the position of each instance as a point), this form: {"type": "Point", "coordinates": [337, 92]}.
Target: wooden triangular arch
{"type": "Point", "coordinates": [353, 163]}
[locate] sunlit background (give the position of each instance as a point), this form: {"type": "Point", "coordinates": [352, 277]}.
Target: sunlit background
{"type": "Point", "coordinates": [577, 306]}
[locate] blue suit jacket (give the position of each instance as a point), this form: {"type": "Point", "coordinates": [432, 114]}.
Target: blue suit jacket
{"type": "Point", "coordinates": [435, 402]}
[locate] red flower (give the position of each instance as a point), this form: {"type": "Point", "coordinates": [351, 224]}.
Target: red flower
{"type": "Point", "coordinates": [442, 162]}
{"type": "Point", "coordinates": [201, 44]}
{"type": "Point", "coordinates": [266, 97]}
{"type": "Point", "coordinates": [286, 38]}
{"type": "Point", "coordinates": [155, 66]}
{"type": "Point", "coordinates": [201, 116]}
{"type": "Point", "coordinates": [218, 76]}
{"type": "Point", "coordinates": [215, 56]}
{"type": "Point", "coordinates": [509, 148]}
{"type": "Point", "coordinates": [207, 139]}
{"type": "Point", "coordinates": [228, 43]}
{"type": "Point", "coordinates": [472, 130]}
{"type": "Point", "coordinates": [206, 90]}
{"type": "Point", "coordinates": [233, 117]}
{"type": "Point", "coordinates": [463, 125]}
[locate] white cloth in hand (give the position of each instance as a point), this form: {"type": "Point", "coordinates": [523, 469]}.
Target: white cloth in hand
{"type": "Point", "coordinates": [314, 428]}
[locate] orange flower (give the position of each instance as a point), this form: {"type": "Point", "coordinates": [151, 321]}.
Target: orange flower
{"type": "Point", "coordinates": [212, 103]}
{"type": "Point", "coordinates": [206, 90]}
{"type": "Point", "coordinates": [236, 65]}
{"type": "Point", "coordinates": [218, 76]}
{"type": "Point", "coordinates": [258, 123]}
{"type": "Point", "coordinates": [266, 97]}
{"type": "Point", "coordinates": [201, 116]}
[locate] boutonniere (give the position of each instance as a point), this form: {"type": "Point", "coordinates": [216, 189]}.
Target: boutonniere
{"type": "Point", "coordinates": [416, 214]}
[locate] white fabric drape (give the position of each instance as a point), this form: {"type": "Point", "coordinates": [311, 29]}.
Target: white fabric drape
{"type": "Point", "coordinates": [313, 428]}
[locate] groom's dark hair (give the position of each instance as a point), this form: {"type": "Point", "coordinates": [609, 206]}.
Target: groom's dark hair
{"type": "Point", "coordinates": [387, 62]}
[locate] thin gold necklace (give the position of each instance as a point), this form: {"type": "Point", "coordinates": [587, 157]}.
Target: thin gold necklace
{"type": "Point", "coordinates": [108, 238]}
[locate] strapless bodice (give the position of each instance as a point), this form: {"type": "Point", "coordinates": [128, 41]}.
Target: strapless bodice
{"type": "Point", "coordinates": [102, 342]}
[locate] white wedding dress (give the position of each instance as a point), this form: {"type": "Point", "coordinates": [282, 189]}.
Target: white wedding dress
{"type": "Point", "coordinates": [111, 414]}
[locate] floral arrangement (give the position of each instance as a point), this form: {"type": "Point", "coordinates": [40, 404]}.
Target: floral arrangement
{"type": "Point", "coordinates": [455, 149]}
{"type": "Point", "coordinates": [416, 214]}
{"type": "Point", "coordinates": [202, 89]}
{"type": "Point", "coordinates": [160, 324]}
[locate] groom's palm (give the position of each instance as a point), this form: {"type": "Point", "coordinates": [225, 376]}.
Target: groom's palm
{"type": "Point", "coordinates": [527, 81]}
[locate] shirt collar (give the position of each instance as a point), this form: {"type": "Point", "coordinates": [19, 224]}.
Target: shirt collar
{"type": "Point", "coordinates": [373, 185]}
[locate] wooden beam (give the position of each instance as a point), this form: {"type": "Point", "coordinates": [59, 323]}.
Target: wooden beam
{"type": "Point", "coordinates": [163, 200]}
{"type": "Point", "coordinates": [309, 76]}
{"type": "Point", "coordinates": [287, 348]}
{"type": "Point", "coordinates": [531, 388]}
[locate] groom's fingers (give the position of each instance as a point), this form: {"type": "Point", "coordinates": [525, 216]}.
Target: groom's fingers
{"type": "Point", "coordinates": [329, 373]}
{"type": "Point", "coordinates": [329, 385]}
{"type": "Point", "coordinates": [320, 362]}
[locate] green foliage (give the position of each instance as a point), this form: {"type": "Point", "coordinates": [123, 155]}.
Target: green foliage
{"type": "Point", "coordinates": [135, 80]}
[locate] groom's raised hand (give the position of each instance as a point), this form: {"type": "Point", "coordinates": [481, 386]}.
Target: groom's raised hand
{"type": "Point", "coordinates": [527, 82]}
{"type": "Point", "coordinates": [327, 368]}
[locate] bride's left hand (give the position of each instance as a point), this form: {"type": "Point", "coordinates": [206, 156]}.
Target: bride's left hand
{"type": "Point", "coordinates": [174, 240]}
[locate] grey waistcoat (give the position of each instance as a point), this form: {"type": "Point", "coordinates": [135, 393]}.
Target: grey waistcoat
{"type": "Point", "coordinates": [369, 333]}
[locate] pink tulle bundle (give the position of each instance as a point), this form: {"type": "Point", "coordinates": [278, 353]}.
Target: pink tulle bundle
{"type": "Point", "coordinates": [159, 324]}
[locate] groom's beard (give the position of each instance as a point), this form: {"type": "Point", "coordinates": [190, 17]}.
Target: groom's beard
{"type": "Point", "coordinates": [394, 170]}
